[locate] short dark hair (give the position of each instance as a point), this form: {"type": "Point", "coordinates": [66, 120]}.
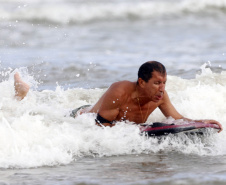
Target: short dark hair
{"type": "Point", "coordinates": [146, 69]}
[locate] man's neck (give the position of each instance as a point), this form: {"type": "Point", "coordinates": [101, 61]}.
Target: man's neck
{"type": "Point", "coordinates": [139, 96]}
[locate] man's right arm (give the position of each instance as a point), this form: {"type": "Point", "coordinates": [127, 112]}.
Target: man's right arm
{"type": "Point", "coordinates": [109, 105]}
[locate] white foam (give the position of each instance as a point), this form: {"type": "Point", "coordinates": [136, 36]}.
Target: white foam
{"type": "Point", "coordinates": [35, 131]}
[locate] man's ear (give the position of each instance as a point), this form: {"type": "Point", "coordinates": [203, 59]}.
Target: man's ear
{"type": "Point", "coordinates": [141, 82]}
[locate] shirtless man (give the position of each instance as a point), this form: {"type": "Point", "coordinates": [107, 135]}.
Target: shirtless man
{"type": "Point", "coordinates": [132, 101]}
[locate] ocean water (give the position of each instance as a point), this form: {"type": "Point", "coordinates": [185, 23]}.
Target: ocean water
{"type": "Point", "coordinates": [69, 52]}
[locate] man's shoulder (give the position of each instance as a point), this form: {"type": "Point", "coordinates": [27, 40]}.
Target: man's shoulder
{"type": "Point", "coordinates": [165, 99]}
{"type": "Point", "coordinates": [122, 87]}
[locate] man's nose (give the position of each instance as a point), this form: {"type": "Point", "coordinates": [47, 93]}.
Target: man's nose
{"type": "Point", "coordinates": [162, 87]}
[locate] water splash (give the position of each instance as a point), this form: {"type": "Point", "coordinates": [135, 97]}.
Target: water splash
{"type": "Point", "coordinates": [37, 131]}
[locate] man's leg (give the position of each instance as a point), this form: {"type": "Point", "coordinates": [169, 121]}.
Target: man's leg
{"type": "Point", "coordinates": [21, 88]}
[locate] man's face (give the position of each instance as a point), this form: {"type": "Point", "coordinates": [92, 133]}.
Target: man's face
{"type": "Point", "coordinates": [155, 87]}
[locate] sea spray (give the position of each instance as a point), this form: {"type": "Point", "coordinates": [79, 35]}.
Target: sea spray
{"type": "Point", "coordinates": [38, 131]}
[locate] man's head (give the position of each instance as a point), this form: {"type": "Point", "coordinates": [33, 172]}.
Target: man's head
{"type": "Point", "coordinates": [146, 69]}
{"type": "Point", "coordinates": [152, 80]}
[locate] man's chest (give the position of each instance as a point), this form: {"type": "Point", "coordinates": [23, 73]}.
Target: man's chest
{"type": "Point", "coordinates": [136, 113]}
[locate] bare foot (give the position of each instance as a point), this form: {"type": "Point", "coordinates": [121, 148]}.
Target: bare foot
{"type": "Point", "coordinates": [21, 88]}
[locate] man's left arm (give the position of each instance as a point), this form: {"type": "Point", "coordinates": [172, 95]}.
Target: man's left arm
{"type": "Point", "coordinates": [168, 109]}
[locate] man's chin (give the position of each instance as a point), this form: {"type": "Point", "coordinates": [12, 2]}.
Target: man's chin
{"type": "Point", "coordinates": [156, 100]}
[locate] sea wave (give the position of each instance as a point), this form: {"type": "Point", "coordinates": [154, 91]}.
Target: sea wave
{"type": "Point", "coordinates": [37, 131]}
{"type": "Point", "coordinates": [68, 12]}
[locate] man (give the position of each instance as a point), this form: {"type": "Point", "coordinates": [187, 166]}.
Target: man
{"type": "Point", "coordinates": [125, 100]}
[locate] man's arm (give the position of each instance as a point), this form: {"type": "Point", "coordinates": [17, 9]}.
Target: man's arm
{"type": "Point", "coordinates": [168, 109]}
{"type": "Point", "coordinates": [110, 104]}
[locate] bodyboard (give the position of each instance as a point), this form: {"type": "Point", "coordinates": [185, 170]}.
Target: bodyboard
{"type": "Point", "coordinates": [162, 129]}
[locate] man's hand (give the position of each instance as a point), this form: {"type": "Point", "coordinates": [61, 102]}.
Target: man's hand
{"type": "Point", "coordinates": [207, 121]}
{"type": "Point", "coordinates": [213, 122]}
